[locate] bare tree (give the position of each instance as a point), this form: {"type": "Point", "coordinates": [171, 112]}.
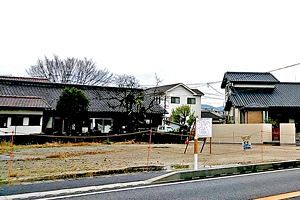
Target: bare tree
{"type": "Point", "coordinates": [135, 101]}
{"type": "Point", "coordinates": [126, 81]}
{"type": "Point", "coordinates": [70, 70]}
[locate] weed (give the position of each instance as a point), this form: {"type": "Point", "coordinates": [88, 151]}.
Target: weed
{"type": "Point", "coordinates": [178, 166]}
{"type": "Point", "coordinates": [73, 154]}
{"type": "Point", "coordinates": [12, 174]}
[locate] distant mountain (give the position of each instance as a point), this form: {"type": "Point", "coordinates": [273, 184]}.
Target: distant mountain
{"type": "Point", "coordinates": [209, 107]}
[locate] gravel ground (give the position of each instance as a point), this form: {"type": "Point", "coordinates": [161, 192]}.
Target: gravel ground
{"type": "Point", "coordinates": [46, 160]}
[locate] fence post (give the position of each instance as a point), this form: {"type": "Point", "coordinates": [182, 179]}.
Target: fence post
{"type": "Point", "coordinates": [233, 137]}
{"type": "Point", "coordinates": [262, 145]}
{"type": "Point", "coordinates": [149, 146]}
{"type": "Point", "coordinates": [10, 156]}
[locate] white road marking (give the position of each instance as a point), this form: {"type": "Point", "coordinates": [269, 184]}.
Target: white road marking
{"type": "Point", "coordinates": [142, 185]}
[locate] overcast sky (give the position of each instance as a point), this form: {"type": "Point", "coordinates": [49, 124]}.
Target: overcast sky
{"type": "Point", "coordinates": [181, 41]}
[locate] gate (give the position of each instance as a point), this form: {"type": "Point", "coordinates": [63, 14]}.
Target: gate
{"type": "Point", "coordinates": [276, 134]}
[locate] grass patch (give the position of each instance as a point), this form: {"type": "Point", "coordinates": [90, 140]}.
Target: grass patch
{"type": "Point", "coordinates": [161, 147]}
{"type": "Point", "coordinates": [74, 154]}
{"type": "Point", "coordinates": [58, 144]}
{"type": "Point", "coordinates": [4, 147]}
{"type": "Point", "coordinates": [126, 142]}
{"type": "Point", "coordinates": [178, 166]}
{"type": "Point", "coordinates": [32, 158]}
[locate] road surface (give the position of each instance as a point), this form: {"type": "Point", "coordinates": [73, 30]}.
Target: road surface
{"type": "Point", "coordinates": [248, 186]}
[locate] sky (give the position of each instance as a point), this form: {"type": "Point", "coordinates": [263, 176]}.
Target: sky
{"type": "Point", "coordinates": [192, 42]}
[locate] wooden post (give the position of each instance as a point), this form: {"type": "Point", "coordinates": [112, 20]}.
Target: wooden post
{"type": "Point", "coordinates": [233, 137]}
{"type": "Point", "coordinates": [262, 145]}
{"type": "Point", "coordinates": [210, 145]}
{"type": "Point", "coordinates": [11, 156]}
{"type": "Point", "coordinates": [192, 132]}
{"type": "Point", "coordinates": [148, 157]}
{"type": "Point", "coordinates": [204, 142]}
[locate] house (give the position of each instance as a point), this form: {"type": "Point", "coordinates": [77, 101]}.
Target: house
{"type": "Point", "coordinates": [216, 117]}
{"type": "Point", "coordinates": [28, 106]}
{"type": "Point", "coordinates": [256, 97]}
{"type": "Point", "coordinates": [175, 95]}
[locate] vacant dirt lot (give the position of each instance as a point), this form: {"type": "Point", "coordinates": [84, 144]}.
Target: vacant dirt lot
{"type": "Point", "coordinates": [52, 159]}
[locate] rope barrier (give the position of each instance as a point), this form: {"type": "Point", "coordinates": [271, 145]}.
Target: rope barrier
{"type": "Point", "coordinates": [92, 137]}
{"type": "Point", "coordinates": [236, 134]}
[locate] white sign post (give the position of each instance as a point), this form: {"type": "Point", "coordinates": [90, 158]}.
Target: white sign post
{"type": "Point", "coordinates": [196, 149]}
{"type": "Point", "coordinates": [204, 127]}
{"type": "Point", "coordinates": [203, 130]}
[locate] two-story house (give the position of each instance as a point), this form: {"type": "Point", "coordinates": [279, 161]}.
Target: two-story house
{"type": "Point", "coordinates": [174, 95]}
{"type": "Point", "coordinates": [259, 97]}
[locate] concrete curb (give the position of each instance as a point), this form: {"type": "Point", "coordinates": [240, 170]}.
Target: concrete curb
{"type": "Point", "coordinates": [85, 174]}
{"type": "Point", "coordinates": [71, 191]}
{"type": "Point", "coordinates": [224, 171]}
{"type": "Point", "coordinates": [170, 177]}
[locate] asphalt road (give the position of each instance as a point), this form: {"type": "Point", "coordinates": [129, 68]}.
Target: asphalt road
{"type": "Point", "coordinates": [235, 187]}
{"type": "Point", "coordinates": [76, 183]}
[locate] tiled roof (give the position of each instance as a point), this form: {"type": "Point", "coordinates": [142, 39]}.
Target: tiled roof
{"type": "Point", "coordinates": [210, 114]}
{"type": "Point", "coordinates": [102, 99]}
{"type": "Point", "coordinates": [23, 102]}
{"type": "Point", "coordinates": [165, 88]}
{"type": "Point", "coordinates": [161, 89]}
{"type": "Point", "coordinates": [29, 79]}
{"type": "Point", "coordinates": [248, 77]}
{"type": "Point", "coordinates": [198, 92]}
{"type": "Point", "coordinates": [283, 95]}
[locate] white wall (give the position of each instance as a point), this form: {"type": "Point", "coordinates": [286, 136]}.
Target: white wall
{"type": "Point", "coordinates": [231, 133]}
{"type": "Point", "coordinates": [21, 130]}
{"type": "Point", "coordinates": [236, 116]}
{"type": "Point", "coordinates": [287, 133]}
{"type": "Point", "coordinates": [183, 93]}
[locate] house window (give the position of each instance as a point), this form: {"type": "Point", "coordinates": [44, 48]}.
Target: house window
{"type": "Point", "coordinates": [175, 100]}
{"type": "Point", "coordinates": [157, 99]}
{"type": "Point", "coordinates": [3, 122]}
{"type": "Point", "coordinates": [17, 121]}
{"type": "Point", "coordinates": [103, 125]}
{"type": "Point", "coordinates": [34, 120]}
{"type": "Point", "coordinates": [191, 100]}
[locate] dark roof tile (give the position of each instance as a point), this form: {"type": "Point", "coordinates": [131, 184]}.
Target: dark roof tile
{"type": "Point", "coordinates": [248, 77]}
{"type": "Point", "coordinates": [210, 114]}
{"type": "Point", "coordinates": [165, 88]}
{"type": "Point", "coordinates": [23, 102]}
{"type": "Point", "coordinates": [283, 95]}
{"type": "Point", "coordinates": [102, 99]}
{"type": "Point", "coordinates": [26, 79]}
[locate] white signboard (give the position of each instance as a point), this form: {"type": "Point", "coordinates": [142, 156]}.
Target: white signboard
{"type": "Point", "coordinates": [204, 127]}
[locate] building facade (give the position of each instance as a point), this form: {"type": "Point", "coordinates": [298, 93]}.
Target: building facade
{"type": "Point", "coordinates": [28, 106]}
{"type": "Point", "coordinates": [255, 97]}
{"type": "Point", "coordinates": [175, 95]}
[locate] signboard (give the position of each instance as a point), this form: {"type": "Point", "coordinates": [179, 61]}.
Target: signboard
{"type": "Point", "coordinates": [204, 127]}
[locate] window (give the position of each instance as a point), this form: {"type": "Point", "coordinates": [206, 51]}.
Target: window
{"type": "Point", "coordinates": [175, 100]}
{"type": "Point", "coordinates": [17, 121]}
{"type": "Point", "coordinates": [3, 122]}
{"type": "Point", "coordinates": [157, 99]}
{"type": "Point", "coordinates": [34, 120]}
{"type": "Point", "coordinates": [191, 100]}
{"type": "Point", "coordinates": [103, 125]}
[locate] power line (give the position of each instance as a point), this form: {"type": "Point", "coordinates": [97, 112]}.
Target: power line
{"type": "Point", "coordinates": [246, 76]}
{"type": "Point", "coordinates": [281, 68]}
